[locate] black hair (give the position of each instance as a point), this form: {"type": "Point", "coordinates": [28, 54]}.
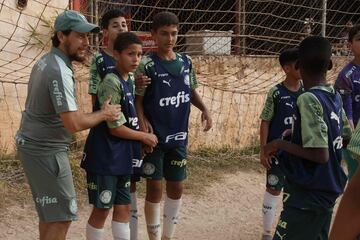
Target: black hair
{"type": "Point", "coordinates": [113, 13]}
{"type": "Point", "coordinates": [353, 31]}
{"type": "Point", "coordinates": [315, 54]}
{"type": "Point", "coordinates": [125, 39]}
{"type": "Point", "coordinates": [289, 56]}
{"type": "Point", "coordinates": [164, 19]}
{"type": "Point", "coordinates": [55, 40]}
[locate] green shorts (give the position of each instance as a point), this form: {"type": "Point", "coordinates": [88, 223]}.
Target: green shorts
{"type": "Point", "coordinates": [51, 184]}
{"type": "Point", "coordinates": [275, 178]}
{"type": "Point", "coordinates": [105, 191]}
{"type": "Point", "coordinates": [301, 218]}
{"type": "Point", "coordinates": [166, 163]}
{"type": "Point", "coordinates": [299, 224]}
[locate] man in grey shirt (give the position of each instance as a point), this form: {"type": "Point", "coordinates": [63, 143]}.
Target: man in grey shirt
{"type": "Point", "coordinates": [51, 115]}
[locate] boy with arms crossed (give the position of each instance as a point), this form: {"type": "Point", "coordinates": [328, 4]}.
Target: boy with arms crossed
{"type": "Point", "coordinates": [111, 146]}
{"type": "Point", "coordinates": [311, 161]}
{"type": "Point", "coordinates": [165, 108]}
{"type": "Point", "coordinates": [276, 117]}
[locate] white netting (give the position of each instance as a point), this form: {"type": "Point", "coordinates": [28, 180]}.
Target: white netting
{"type": "Point", "coordinates": [234, 46]}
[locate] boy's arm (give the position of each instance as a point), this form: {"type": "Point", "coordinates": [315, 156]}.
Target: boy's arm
{"type": "Point", "coordinates": [196, 99]}
{"type": "Point", "coordinates": [346, 223]}
{"type": "Point", "coordinates": [142, 77]}
{"type": "Point", "coordinates": [127, 133]}
{"type": "Point", "coordinates": [354, 144]}
{"type": "Point", "coordinates": [346, 130]}
{"type": "Point", "coordinates": [111, 86]}
{"type": "Point", "coordinates": [144, 124]}
{"type": "Point", "coordinates": [313, 132]}
{"type": "Point", "coordinates": [94, 79]}
{"type": "Point", "coordinates": [318, 155]}
{"type": "Point", "coordinates": [264, 132]}
{"type": "Point", "coordinates": [344, 87]}
{"type": "Point", "coordinates": [266, 117]}
{"type": "Point", "coordinates": [76, 121]}
{"type": "Point", "coordinates": [205, 114]}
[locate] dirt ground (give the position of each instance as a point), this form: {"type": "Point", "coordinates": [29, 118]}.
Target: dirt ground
{"type": "Point", "coordinates": [230, 209]}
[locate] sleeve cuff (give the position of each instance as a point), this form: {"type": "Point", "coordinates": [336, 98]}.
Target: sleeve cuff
{"type": "Point", "coordinates": [115, 124]}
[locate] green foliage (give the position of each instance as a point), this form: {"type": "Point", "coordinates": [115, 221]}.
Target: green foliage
{"type": "Point", "coordinates": [39, 35]}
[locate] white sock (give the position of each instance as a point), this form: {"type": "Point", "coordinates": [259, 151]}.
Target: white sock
{"type": "Point", "coordinates": [133, 217]}
{"type": "Point", "coordinates": [171, 214]}
{"type": "Point", "coordinates": [94, 233]}
{"type": "Point", "coordinates": [269, 209]}
{"type": "Point", "coordinates": [152, 217]}
{"type": "Point", "coordinates": [120, 231]}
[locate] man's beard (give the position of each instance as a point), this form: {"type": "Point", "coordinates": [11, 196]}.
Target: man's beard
{"type": "Point", "coordinates": [74, 56]}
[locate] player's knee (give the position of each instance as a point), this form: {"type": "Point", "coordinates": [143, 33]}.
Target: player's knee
{"type": "Point", "coordinates": [174, 189]}
{"type": "Point", "coordinates": [100, 214]}
{"type": "Point", "coordinates": [153, 191]}
{"type": "Point", "coordinates": [121, 213]}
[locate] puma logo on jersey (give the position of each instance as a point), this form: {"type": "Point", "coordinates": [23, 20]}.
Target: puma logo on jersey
{"type": "Point", "coordinates": [167, 82]}
{"type": "Point", "coordinates": [356, 81]}
{"type": "Point", "coordinates": [280, 236]}
{"type": "Point", "coordinates": [335, 117]}
{"type": "Point", "coordinates": [290, 105]}
{"type": "Point", "coordinates": [338, 142]}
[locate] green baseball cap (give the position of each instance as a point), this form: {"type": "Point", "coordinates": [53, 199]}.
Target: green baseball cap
{"type": "Point", "coordinates": [73, 20]}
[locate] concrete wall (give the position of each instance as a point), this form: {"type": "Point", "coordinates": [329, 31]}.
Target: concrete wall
{"type": "Point", "coordinates": [17, 57]}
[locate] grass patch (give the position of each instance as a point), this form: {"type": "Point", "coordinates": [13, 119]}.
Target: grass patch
{"type": "Point", "coordinates": [208, 165]}
{"type": "Point", "coordinates": [205, 166]}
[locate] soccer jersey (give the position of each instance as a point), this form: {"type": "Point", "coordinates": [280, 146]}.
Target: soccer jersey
{"type": "Point", "coordinates": [101, 64]}
{"type": "Point", "coordinates": [104, 153]}
{"type": "Point", "coordinates": [348, 85]}
{"type": "Point", "coordinates": [319, 123]}
{"type": "Point", "coordinates": [51, 91]}
{"type": "Point", "coordinates": [167, 99]}
{"type": "Point", "coordinates": [279, 109]}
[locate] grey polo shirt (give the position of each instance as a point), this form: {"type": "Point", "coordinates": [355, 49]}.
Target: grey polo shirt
{"type": "Point", "coordinates": [51, 91]}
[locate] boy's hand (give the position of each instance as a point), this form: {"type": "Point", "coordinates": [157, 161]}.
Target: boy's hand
{"type": "Point", "coordinates": [142, 81]}
{"type": "Point", "coordinates": [110, 112]}
{"type": "Point", "coordinates": [145, 149]}
{"type": "Point", "coordinates": [206, 120]}
{"type": "Point", "coordinates": [270, 149]}
{"type": "Point", "coordinates": [149, 139]}
{"type": "Point", "coordinates": [266, 162]}
{"type": "Point", "coordinates": [286, 134]}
